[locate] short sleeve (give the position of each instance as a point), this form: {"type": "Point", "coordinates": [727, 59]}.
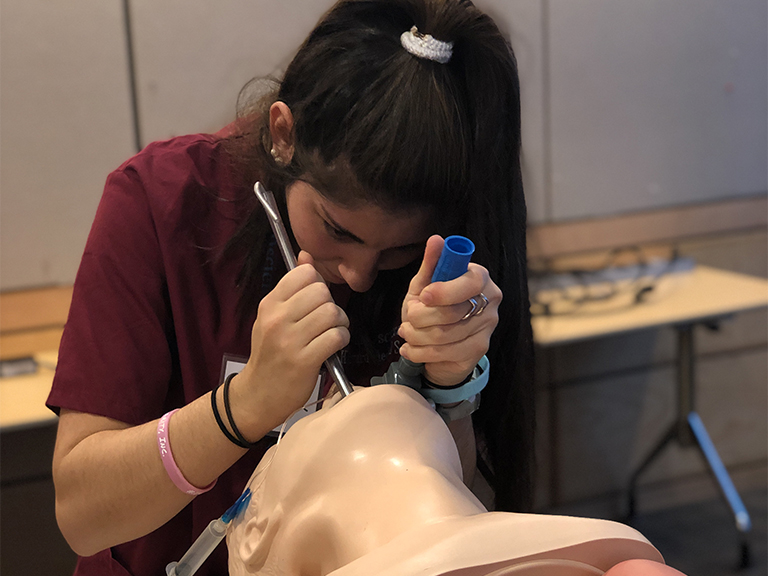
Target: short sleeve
{"type": "Point", "coordinates": [115, 357]}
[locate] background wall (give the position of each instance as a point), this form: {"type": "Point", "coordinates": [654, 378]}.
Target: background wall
{"type": "Point", "coordinates": [626, 105]}
{"type": "Point", "coordinates": [654, 103]}
{"type": "Point", "coordinates": [65, 120]}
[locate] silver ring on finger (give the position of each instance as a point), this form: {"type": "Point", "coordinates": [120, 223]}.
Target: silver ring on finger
{"type": "Point", "coordinates": [483, 304]}
{"type": "Point", "coordinates": [473, 311]}
{"type": "Point", "coordinates": [477, 307]}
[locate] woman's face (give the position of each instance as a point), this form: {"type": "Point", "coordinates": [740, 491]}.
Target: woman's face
{"type": "Point", "coordinates": [351, 245]}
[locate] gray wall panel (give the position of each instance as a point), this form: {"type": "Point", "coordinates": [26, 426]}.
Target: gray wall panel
{"type": "Point", "coordinates": [626, 105]}
{"type": "Point", "coordinates": [193, 57]}
{"type": "Point", "coordinates": [65, 123]}
{"type": "Point", "coordinates": [522, 22]}
{"type": "Point", "coordinates": [656, 103]}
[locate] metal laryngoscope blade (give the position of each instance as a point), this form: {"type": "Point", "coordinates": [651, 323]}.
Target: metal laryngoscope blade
{"type": "Point", "coordinates": [267, 199]}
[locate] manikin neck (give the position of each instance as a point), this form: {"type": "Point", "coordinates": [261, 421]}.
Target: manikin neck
{"type": "Point", "coordinates": [428, 498]}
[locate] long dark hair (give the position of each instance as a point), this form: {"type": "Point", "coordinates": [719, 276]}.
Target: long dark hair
{"type": "Point", "coordinates": [374, 123]}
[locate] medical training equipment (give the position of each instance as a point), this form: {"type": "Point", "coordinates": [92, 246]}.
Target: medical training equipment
{"type": "Point", "coordinates": [208, 540]}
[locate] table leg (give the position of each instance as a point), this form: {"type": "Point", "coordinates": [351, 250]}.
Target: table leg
{"type": "Point", "coordinates": [743, 522]}
{"type": "Point", "coordinates": [688, 429]}
{"type": "Point", "coordinates": [685, 382]}
{"type": "Point", "coordinates": [670, 435]}
{"type": "Point", "coordinates": [692, 430]}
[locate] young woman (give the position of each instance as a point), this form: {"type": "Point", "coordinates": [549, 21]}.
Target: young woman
{"type": "Point", "coordinates": [397, 122]}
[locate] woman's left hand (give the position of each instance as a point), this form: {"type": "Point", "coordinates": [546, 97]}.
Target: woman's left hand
{"type": "Point", "coordinates": [433, 323]}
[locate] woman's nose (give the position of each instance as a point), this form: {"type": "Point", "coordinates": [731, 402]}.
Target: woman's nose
{"type": "Point", "coordinates": [359, 271]}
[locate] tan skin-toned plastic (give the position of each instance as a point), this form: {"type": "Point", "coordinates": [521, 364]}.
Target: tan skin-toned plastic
{"type": "Point", "coordinates": [372, 485]}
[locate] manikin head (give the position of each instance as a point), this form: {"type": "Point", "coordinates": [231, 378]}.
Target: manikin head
{"type": "Point", "coordinates": [372, 485]}
{"type": "Point", "coordinates": [347, 480]}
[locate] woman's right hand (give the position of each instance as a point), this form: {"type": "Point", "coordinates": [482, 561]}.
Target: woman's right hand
{"type": "Point", "coordinates": [111, 486]}
{"type": "Point", "coordinates": [297, 328]}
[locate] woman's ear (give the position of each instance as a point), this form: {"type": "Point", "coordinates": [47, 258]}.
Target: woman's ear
{"type": "Point", "coordinates": [281, 130]}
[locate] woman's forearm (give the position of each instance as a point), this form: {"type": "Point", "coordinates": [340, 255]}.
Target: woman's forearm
{"type": "Point", "coordinates": [111, 485]}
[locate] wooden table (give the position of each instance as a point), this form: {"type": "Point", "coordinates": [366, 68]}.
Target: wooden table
{"type": "Point", "coordinates": [681, 300]}
{"type": "Point", "coordinates": [698, 296]}
{"type": "Point", "coordinates": [22, 398]}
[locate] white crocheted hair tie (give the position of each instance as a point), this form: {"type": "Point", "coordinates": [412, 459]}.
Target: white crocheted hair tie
{"type": "Point", "coordinates": [425, 46]}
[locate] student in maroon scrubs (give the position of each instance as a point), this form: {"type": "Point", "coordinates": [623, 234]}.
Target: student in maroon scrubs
{"type": "Point", "coordinates": [397, 120]}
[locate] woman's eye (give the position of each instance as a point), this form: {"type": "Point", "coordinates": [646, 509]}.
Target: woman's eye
{"type": "Point", "coordinates": [335, 232]}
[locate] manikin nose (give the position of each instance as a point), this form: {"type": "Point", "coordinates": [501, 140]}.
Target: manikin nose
{"type": "Point", "coordinates": [359, 274]}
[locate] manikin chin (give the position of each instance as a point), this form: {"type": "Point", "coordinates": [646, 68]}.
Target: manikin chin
{"type": "Point", "coordinates": [371, 486]}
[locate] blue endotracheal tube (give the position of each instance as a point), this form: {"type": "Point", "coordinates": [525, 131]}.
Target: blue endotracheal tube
{"type": "Point", "coordinates": [208, 540]}
{"type": "Point", "coordinates": [454, 259]}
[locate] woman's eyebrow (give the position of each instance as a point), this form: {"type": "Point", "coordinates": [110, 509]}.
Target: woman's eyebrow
{"type": "Point", "coordinates": [343, 231]}
{"type": "Point", "coordinates": [339, 228]}
{"type": "Point", "coordinates": [411, 246]}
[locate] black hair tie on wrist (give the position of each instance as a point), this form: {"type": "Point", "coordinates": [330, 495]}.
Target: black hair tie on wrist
{"type": "Point", "coordinates": [220, 422]}
{"type": "Point", "coordinates": [427, 384]}
{"type": "Point", "coordinates": [228, 408]}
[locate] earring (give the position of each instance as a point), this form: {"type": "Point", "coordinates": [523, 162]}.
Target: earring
{"type": "Point", "coordinates": [276, 156]}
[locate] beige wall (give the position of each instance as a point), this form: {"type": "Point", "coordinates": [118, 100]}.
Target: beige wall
{"type": "Point", "coordinates": [626, 105]}
{"type": "Point", "coordinates": [65, 120]}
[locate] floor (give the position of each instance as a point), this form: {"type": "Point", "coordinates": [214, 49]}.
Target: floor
{"type": "Point", "coordinates": [701, 539]}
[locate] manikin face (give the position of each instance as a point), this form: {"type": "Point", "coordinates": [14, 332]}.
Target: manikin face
{"type": "Point", "coordinates": [351, 245]}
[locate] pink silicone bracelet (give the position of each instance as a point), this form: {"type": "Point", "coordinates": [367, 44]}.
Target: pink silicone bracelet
{"type": "Point", "coordinates": [164, 445]}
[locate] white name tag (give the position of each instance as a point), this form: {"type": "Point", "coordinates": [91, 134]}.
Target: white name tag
{"type": "Point", "coordinates": [234, 366]}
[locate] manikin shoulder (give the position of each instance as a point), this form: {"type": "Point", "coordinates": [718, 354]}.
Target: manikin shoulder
{"type": "Point", "coordinates": [485, 543]}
